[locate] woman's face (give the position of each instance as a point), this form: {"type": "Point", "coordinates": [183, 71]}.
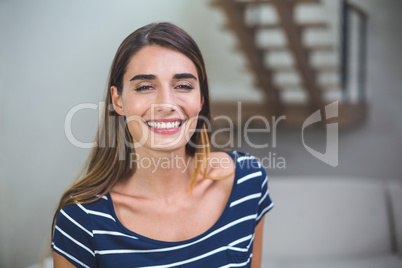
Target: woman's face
{"type": "Point", "coordinates": [161, 98]}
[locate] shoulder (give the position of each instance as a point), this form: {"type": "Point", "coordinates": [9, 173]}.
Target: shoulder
{"type": "Point", "coordinates": [73, 217]}
{"type": "Point", "coordinates": [252, 192]}
{"type": "Point", "coordinates": [79, 207]}
{"type": "Point", "coordinates": [221, 163]}
{"type": "Point", "coordinates": [240, 166]}
{"type": "Point", "coordinates": [73, 236]}
{"type": "Point", "coordinates": [219, 180]}
{"type": "Point", "coordinates": [249, 169]}
{"type": "Point", "coordinates": [221, 170]}
{"type": "Point", "coordinates": [78, 214]}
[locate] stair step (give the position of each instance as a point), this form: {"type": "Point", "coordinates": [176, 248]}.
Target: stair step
{"type": "Point", "coordinates": [322, 68]}
{"type": "Point", "coordinates": [326, 68]}
{"type": "Point", "coordinates": [320, 47]}
{"type": "Point", "coordinates": [324, 87]}
{"type": "Point", "coordinates": [263, 2]}
{"type": "Point", "coordinates": [310, 48]}
{"type": "Point", "coordinates": [307, 1]}
{"type": "Point", "coordinates": [301, 25]}
{"type": "Point", "coordinates": [331, 86]}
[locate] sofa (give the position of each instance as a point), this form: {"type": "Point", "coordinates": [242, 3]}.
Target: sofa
{"type": "Point", "coordinates": [333, 222]}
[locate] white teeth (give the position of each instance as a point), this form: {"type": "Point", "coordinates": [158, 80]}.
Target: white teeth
{"type": "Point", "coordinates": [164, 125]}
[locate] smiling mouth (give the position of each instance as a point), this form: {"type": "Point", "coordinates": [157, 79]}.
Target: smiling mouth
{"type": "Point", "coordinates": [165, 125]}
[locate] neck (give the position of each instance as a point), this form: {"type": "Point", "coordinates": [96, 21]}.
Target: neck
{"type": "Point", "coordinates": [160, 174]}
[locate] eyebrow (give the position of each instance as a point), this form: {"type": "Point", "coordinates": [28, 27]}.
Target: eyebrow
{"type": "Point", "coordinates": [152, 77]}
{"type": "Point", "coordinates": [184, 76]}
{"type": "Point", "coordinates": [143, 77]}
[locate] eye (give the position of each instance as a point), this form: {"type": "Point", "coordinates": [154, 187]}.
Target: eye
{"type": "Point", "coordinates": [143, 88]}
{"type": "Point", "coordinates": [185, 86]}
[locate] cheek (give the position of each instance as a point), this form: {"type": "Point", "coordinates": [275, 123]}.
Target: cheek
{"type": "Point", "coordinates": [194, 109]}
{"type": "Point", "coordinates": [134, 106]}
{"type": "Point", "coordinates": [195, 103]}
{"type": "Point", "coordinates": [138, 130]}
{"type": "Point", "coordinates": [134, 110]}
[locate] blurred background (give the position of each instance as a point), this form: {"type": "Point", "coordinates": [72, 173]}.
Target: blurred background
{"type": "Point", "coordinates": [277, 61]}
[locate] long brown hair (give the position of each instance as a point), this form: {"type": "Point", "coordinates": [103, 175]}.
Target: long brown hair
{"type": "Point", "coordinates": [107, 163]}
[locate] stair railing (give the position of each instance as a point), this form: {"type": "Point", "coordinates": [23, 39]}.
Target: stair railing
{"type": "Point", "coordinates": [347, 9]}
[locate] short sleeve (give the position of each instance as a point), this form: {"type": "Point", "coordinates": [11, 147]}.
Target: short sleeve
{"type": "Point", "coordinates": [265, 203]}
{"type": "Point", "coordinates": [73, 237]}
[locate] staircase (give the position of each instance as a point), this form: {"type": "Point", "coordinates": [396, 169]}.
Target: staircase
{"type": "Point", "coordinates": [253, 21]}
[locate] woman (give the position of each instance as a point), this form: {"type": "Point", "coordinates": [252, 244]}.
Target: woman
{"type": "Point", "coordinates": [152, 194]}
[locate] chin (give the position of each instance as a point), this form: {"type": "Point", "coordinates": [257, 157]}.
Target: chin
{"type": "Point", "coordinates": [168, 146]}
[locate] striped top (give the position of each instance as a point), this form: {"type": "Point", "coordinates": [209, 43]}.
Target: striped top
{"type": "Point", "coordinates": [91, 235]}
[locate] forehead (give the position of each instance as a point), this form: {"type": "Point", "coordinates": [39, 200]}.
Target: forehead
{"type": "Point", "coordinates": [160, 61]}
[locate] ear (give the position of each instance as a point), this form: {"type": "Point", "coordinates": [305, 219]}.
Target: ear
{"type": "Point", "coordinates": [117, 101]}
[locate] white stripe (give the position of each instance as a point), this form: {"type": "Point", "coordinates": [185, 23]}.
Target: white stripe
{"type": "Point", "coordinates": [76, 223]}
{"type": "Point", "coordinates": [227, 226]}
{"type": "Point", "coordinates": [251, 241]}
{"type": "Point", "coordinates": [112, 233]}
{"type": "Point", "coordinates": [265, 210]}
{"type": "Point", "coordinates": [238, 249]}
{"type": "Point", "coordinates": [243, 249]}
{"type": "Point", "coordinates": [264, 182]}
{"type": "Point", "coordinates": [97, 213]}
{"type": "Point", "coordinates": [69, 256]}
{"type": "Point", "coordinates": [242, 158]}
{"type": "Point", "coordinates": [75, 241]}
{"type": "Point", "coordinates": [103, 197]}
{"type": "Point", "coordinates": [263, 198]}
{"type": "Point", "coordinates": [241, 200]}
{"type": "Point", "coordinates": [249, 176]}
{"type": "Point", "coordinates": [237, 264]}
{"type": "Point", "coordinates": [238, 241]}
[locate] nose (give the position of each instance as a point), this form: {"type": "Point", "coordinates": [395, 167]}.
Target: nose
{"type": "Point", "coordinates": [165, 101]}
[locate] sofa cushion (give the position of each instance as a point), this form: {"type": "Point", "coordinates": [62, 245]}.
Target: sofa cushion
{"type": "Point", "coordinates": [326, 217]}
{"type": "Point", "coordinates": [387, 261]}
